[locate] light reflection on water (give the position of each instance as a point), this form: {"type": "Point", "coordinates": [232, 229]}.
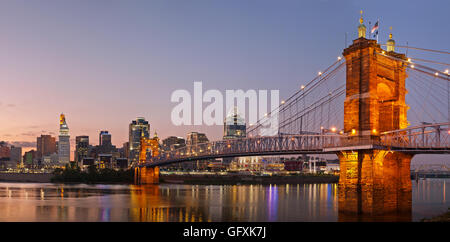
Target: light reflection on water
{"type": "Point", "coordinates": [171, 202]}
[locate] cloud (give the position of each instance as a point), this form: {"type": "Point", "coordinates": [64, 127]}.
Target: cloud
{"type": "Point", "coordinates": [29, 134]}
{"type": "Point", "coordinates": [11, 105]}
{"type": "Point", "coordinates": [23, 144]}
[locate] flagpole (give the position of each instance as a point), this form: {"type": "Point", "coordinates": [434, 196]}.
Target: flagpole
{"type": "Point", "coordinates": [370, 30]}
{"type": "Point", "coordinates": [378, 21]}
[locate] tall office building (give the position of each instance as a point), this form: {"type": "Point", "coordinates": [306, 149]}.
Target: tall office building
{"type": "Point", "coordinates": [173, 143]}
{"type": "Point", "coordinates": [81, 148]}
{"type": "Point", "coordinates": [138, 128]}
{"type": "Point", "coordinates": [104, 143]}
{"type": "Point", "coordinates": [64, 141]}
{"type": "Point", "coordinates": [193, 138]}
{"type": "Point", "coordinates": [16, 155]}
{"type": "Point", "coordinates": [234, 125]}
{"type": "Point", "coordinates": [126, 149]}
{"type": "Point", "coordinates": [104, 138]}
{"type": "Point", "coordinates": [46, 145]}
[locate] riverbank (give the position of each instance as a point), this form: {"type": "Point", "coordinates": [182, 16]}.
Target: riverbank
{"type": "Point", "coordinates": [235, 179]}
{"type": "Point", "coordinates": [441, 218]}
{"type": "Point", "coordinates": [26, 177]}
{"type": "Point", "coordinates": [126, 177]}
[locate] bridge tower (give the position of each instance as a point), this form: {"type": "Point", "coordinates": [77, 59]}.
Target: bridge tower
{"type": "Point", "coordinates": [373, 180]}
{"type": "Point", "coordinates": [142, 173]}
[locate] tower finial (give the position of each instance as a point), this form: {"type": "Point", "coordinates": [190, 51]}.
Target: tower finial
{"type": "Point", "coordinates": [390, 43]}
{"type": "Point", "coordinates": [361, 27]}
{"type": "Point", "coordinates": [361, 19]}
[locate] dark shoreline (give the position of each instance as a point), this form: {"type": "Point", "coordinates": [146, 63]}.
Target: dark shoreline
{"type": "Point", "coordinates": [445, 217]}
{"type": "Point", "coordinates": [230, 179]}
{"type": "Point", "coordinates": [247, 179]}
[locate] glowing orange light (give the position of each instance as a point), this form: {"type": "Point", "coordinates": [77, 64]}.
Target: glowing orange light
{"type": "Point", "coordinates": [353, 131]}
{"type": "Point", "coordinates": [374, 131]}
{"type": "Point", "coordinates": [333, 129]}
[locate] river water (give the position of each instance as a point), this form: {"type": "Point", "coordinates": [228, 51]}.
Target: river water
{"type": "Point", "coordinates": [173, 202]}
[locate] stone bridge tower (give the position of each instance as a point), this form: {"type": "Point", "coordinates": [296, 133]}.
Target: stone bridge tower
{"type": "Point", "coordinates": [373, 180]}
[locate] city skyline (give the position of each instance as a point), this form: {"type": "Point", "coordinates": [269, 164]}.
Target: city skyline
{"type": "Point", "coordinates": [57, 67]}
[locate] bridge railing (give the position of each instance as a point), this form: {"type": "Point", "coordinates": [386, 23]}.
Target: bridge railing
{"type": "Point", "coordinates": [434, 136]}
{"type": "Point", "coordinates": [431, 136]}
{"type": "Point", "coordinates": [253, 145]}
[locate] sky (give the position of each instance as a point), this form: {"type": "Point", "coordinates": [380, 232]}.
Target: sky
{"type": "Point", "coordinates": [105, 62]}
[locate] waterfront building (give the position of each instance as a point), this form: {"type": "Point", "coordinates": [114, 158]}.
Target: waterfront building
{"type": "Point", "coordinates": [29, 159]}
{"type": "Point", "coordinates": [50, 160]}
{"type": "Point", "coordinates": [173, 143]}
{"type": "Point", "coordinates": [64, 141]}
{"type": "Point", "coordinates": [194, 138]}
{"type": "Point", "coordinates": [138, 129]}
{"type": "Point", "coordinates": [86, 162]}
{"type": "Point", "coordinates": [105, 161]}
{"type": "Point", "coordinates": [293, 165]}
{"type": "Point", "coordinates": [5, 151]}
{"type": "Point", "coordinates": [121, 163]}
{"type": "Point", "coordinates": [16, 156]}
{"type": "Point", "coordinates": [45, 145]}
{"type": "Point", "coordinates": [81, 148]}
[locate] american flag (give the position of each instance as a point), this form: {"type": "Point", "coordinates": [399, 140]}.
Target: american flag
{"type": "Point", "coordinates": [375, 28]}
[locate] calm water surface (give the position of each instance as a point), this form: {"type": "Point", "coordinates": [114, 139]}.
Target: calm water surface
{"type": "Point", "coordinates": [170, 202]}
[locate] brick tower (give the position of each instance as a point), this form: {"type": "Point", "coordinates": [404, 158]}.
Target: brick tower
{"type": "Point", "coordinates": [373, 181]}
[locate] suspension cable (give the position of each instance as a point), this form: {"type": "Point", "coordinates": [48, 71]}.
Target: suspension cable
{"type": "Point", "coordinates": [417, 48]}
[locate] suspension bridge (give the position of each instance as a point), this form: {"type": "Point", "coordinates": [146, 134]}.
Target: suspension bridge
{"type": "Point", "coordinates": [374, 108]}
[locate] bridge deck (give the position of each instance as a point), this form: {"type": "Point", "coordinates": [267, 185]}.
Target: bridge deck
{"type": "Point", "coordinates": [426, 139]}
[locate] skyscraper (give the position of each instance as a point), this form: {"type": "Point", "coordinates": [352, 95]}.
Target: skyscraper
{"type": "Point", "coordinates": [194, 138]}
{"type": "Point", "coordinates": [104, 143]}
{"type": "Point", "coordinates": [81, 148]}
{"type": "Point", "coordinates": [138, 128]}
{"type": "Point", "coordinates": [46, 145]}
{"type": "Point", "coordinates": [234, 125]}
{"type": "Point", "coordinates": [104, 138]}
{"type": "Point", "coordinates": [64, 141]}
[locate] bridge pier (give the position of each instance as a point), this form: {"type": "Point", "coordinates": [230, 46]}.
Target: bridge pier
{"type": "Point", "coordinates": [375, 182]}
{"type": "Point", "coordinates": [146, 175]}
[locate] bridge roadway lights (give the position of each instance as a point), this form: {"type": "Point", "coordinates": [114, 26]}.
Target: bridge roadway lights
{"type": "Point", "coordinates": [146, 175]}
{"type": "Point", "coordinates": [374, 182]}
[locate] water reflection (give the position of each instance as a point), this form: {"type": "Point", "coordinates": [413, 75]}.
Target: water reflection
{"type": "Point", "coordinates": [198, 203]}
